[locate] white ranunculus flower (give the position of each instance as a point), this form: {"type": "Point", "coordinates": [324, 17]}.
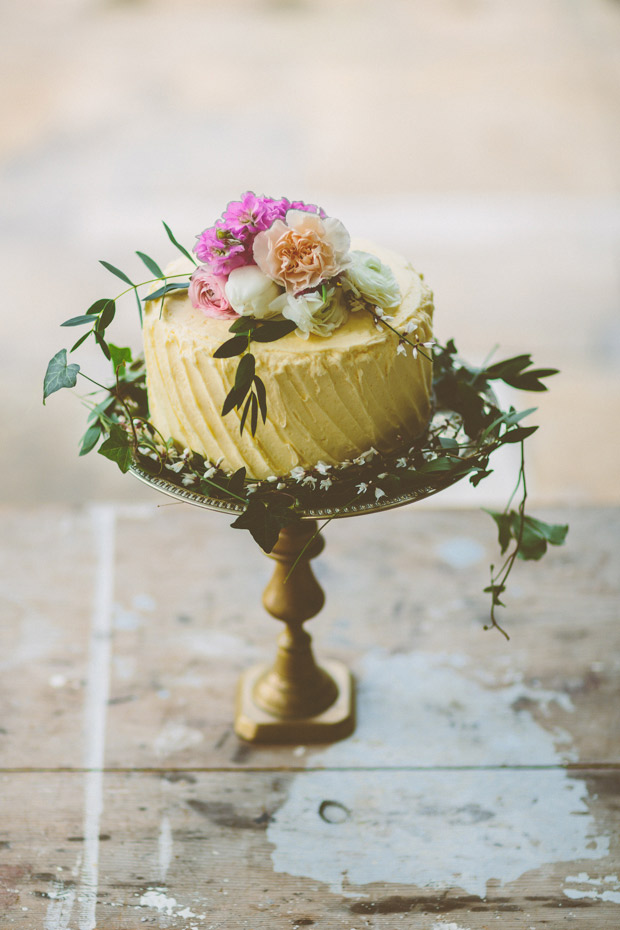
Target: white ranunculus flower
{"type": "Point", "coordinates": [312, 314]}
{"type": "Point", "coordinates": [251, 293]}
{"type": "Point", "coordinates": [368, 277]}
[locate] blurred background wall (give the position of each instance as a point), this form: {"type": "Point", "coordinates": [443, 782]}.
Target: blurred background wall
{"type": "Point", "coordinates": [479, 137]}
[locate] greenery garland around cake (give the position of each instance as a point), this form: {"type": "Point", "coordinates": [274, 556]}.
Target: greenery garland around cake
{"type": "Point", "coordinates": [273, 267]}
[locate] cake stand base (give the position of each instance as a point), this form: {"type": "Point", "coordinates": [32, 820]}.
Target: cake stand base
{"type": "Point", "coordinates": [259, 726]}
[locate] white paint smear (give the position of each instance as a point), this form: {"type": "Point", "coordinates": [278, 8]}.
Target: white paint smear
{"type": "Point", "coordinates": [436, 828]}
{"type": "Point", "coordinates": [164, 847]}
{"type": "Point", "coordinates": [606, 888]}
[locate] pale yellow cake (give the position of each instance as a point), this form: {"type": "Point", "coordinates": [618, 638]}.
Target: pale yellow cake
{"type": "Point", "coordinates": [328, 399]}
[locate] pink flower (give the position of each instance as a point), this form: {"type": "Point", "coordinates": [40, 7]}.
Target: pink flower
{"type": "Point", "coordinates": [303, 251]}
{"type": "Point", "coordinates": [206, 292]}
{"type": "Point", "coordinates": [221, 250]}
{"type": "Point", "coordinates": [250, 215]}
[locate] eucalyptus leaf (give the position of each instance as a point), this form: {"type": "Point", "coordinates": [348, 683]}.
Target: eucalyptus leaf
{"type": "Point", "coordinates": [106, 317]}
{"type": "Point", "coordinates": [99, 306]}
{"type": "Point", "coordinates": [80, 340]}
{"type": "Point", "coordinates": [235, 346]}
{"type": "Point", "coordinates": [178, 244]}
{"type": "Point", "coordinates": [253, 414]}
{"type": "Point", "coordinates": [518, 434]}
{"type": "Point", "coordinates": [78, 320]}
{"type": "Point", "coordinates": [59, 374]}
{"type": "Point", "coordinates": [246, 410]}
{"type": "Point", "coordinates": [244, 324]}
{"type": "Point", "coordinates": [261, 394]}
{"type": "Point", "coordinates": [152, 265]}
{"type": "Point", "coordinates": [90, 439]}
{"type": "Point", "coordinates": [119, 274]}
{"type": "Point", "coordinates": [272, 330]}
{"type": "Point", "coordinates": [103, 345]}
{"type": "Point", "coordinates": [166, 289]}
{"type": "Point", "coordinates": [233, 399]}
{"type": "Point", "coordinates": [245, 373]}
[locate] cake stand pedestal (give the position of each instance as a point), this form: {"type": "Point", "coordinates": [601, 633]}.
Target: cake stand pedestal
{"type": "Point", "coordinates": [294, 699]}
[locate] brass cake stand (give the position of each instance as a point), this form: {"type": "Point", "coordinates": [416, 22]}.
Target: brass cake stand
{"type": "Point", "coordinates": [294, 699]}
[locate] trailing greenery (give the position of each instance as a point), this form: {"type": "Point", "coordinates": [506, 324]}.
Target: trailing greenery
{"type": "Point", "coordinates": [467, 427]}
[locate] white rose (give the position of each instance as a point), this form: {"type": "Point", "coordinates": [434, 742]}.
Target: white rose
{"type": "Point", "coordinates": [251, 293]}
{"type": "Point", "coordinates": [369, 277]}
{"type": "Point", "coordinates": [312, 314]}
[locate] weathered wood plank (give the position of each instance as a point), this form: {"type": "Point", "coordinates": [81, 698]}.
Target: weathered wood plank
{"type": "Point", "coordinates": [335, 848]}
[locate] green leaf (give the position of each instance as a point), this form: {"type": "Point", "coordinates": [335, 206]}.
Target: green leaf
{"type": "Point", "coordinates": [245, 324]}
{"type": "Point", "coordinates": [272, 330]}
{"type": "Point", "coordinates": [90, 439]}
{"type": "Point", "coordinates": [178, 244]}
{"type": "Point", "coordinates": [80, 341]}
{"type": "Point", "coordinates": [235, 346]}
{"type": "Point", "coordinates": [233, 399]}
{"type": "Point", "coordinates": [103, 345]}
{"type": "Point", "coordinates": [508, 367]}
{"type": "Point", "coordinates": [253, 414]}
{"type": "Point", "coordinates": [518, 434]}
{"type": "Point", "coordinates": [261, 394]}
{"type": "Point", "coordinates": [236, 482]}
{"type": "Point", "coordinates": [264, 521]}
{"type": "Point", "coordinates": [246, 410]}
{"type": "Point", "coordinates": [532, 545]}
{"type": "Point", "coordinates": [78, 320]}
{"type": "Point", "coordinates": [245, 373]}
{"type": "Point", "coordinates": [448, 442]}
{"type": "Point", "coordinates": [554, 533]}
{"type": "Point", "coordinates": [118, 447]}
{"type": "Point", "coordinates": [106, 317]}
{"type": "Point", "coordinates": [162, 291]}
{"type": "Point", "coordinates": [504, 526]}
{"type": "Point", "coordinates": [59, 374]}
{"type": "Point", "coordinates": [119, 357]}
{"type": "Point", "coordinates": [152, 265]}
{"type": "Point", "coordinates": [119, 274]}
{"type": "Point", "coordinates": [99, 306]}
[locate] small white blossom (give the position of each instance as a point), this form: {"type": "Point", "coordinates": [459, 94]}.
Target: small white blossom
{"type": "Point", "coordinates": [387, 318]}
{"type": "Point", "coordinates": [271, 478]}
{"type": "Point", "coordinates": [154, 456]}
{"type": "Point", "coordinates": [414, 351]}
{"type": "Point", "coordinates": [310, 479]}
{"type": "Point", "coordinates": [251, 488]}
{"type": "Point", "coordinates": [322, 468]}
{"type": "Point", "coordinates": [325, 484]}
{"type": "Point", "coordinates": [410, 327]}
{"type": "Point", "coordinates": [402, 349]}
{"type": "Point", "coordinates": [383, 474]}
{"type": "Point", "coordinates": [379, 312]}
{"type": "Point", "coordinates": [362, 487]}
{"type": "Point", "coordinates": [219, 461]}
{"type": "Point", "coordinates": [298, 473]}
{"type": "Point", "coordinates": [401, 463]}
{"type": "Point", "coordinates": [176, 467]}
{"type": "Point", "coordinates": [371, 452]}
{"type": "Point", "coordinates": [379, 494]}
{"type": "Point", "coordinates": [188, 479]}
{"type": "Point", "coordinates": [280, 486]}
{"type": "Point", "coordinates": [360, 460]}
{"type": "Point", "coordinates": [186, 454]}
{"type": "Point", "coordinates": [210, 471]}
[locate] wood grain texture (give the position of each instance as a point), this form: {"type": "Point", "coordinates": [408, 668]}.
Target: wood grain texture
{"type": "Point", "coordinates": [481, 788]}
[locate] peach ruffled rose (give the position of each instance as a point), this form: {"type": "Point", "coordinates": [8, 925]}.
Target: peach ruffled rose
{"type": "Point", "coordinates": [303, 251]}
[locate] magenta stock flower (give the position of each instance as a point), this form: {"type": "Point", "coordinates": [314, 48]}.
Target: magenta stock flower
{"type": "Point", "coordinates": [206, 292]}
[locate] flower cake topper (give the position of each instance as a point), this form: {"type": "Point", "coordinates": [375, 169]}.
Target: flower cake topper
{"type": "Point", "coordinates": [267, 258]}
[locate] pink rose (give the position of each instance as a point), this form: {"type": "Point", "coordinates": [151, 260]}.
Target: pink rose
{"type": "Point", "coordinates": [302, 251]}
{"type": "Point", "coordinates": [206, 292]}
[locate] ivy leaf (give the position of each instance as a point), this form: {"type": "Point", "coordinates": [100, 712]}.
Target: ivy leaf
{"type": "Point", "coordinates": [90, 439]}
{"type": "Point", "coordinates": [479, 476]}
{"type": "Point", "coordinates": [152, 266]}
{"type": "Point", "coordinates": [535, 536]}
{"type": "Point", "coordinates": [119, 357]}
{"type": "Point", "coordinates": [118, 447]}
{"type": "Point", "coordinates": [554, 533]}
{"type": "Point", "coordinates": [236, 482]}
{"type": "Point", "coordinates": [119, 274]}
{"type": "Point", "coordinates": [264, 521]}
{"type": "Point", "coordinates": [272, 330]}
{"type": "Point", "coordinates": [235, 346]}
{"type": "Point", "coordinates": [59, 374]}
{"type": "Point", "coordinates": [178, 244]}
{"type": "Point", "coordinates": [504, 526]}
{"type": "Point", "coordinates": [78, 320]}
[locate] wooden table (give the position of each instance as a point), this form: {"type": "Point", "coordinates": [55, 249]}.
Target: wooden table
{"type": "Point", "coordinates": [480, 790]}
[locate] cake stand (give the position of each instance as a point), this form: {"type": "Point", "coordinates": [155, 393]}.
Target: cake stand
{"type": "Point", "coordinates": [294, 699]}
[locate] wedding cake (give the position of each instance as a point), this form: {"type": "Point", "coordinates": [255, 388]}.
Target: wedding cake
{"type": "Point", "coordinates": [328, 344]}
